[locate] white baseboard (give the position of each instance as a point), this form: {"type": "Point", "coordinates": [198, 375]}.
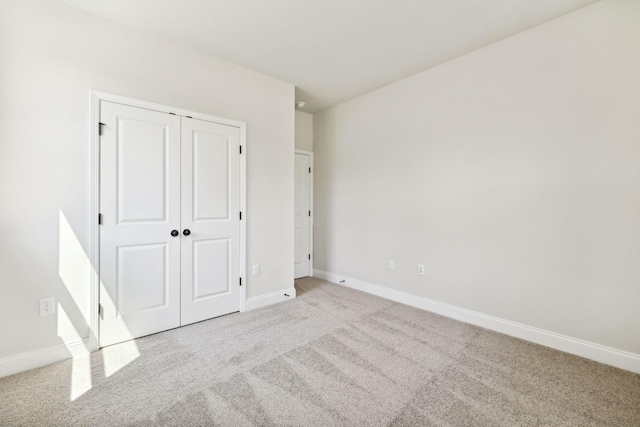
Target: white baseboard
{"type": "Point", "coordinates": [268, 299]}
{"type": "Point", "coordinates": [42, 357]}
{"type": "Point", "coordinates": [599, 353]}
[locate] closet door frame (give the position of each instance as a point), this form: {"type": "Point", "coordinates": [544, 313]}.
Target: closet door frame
{"type": "Point", "coordinates": [93, 341]}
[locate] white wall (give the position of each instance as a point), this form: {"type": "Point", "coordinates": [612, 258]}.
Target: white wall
{"type": "Point", "coordinates": [304, 131]}
{"type": "Point", "coordinates": [512, 173]}
{"type": "Point", "coordinates": [51, 56]}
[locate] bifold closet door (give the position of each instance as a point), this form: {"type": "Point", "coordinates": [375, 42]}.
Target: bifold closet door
{"type": "Point", "coordinates": [140, 208]}
{"type": "Point", "coordinates": [211, 214]}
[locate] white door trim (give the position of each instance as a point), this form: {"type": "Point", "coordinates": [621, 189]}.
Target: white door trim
{"type": "Point", "coordinates": [96, 97]}
{"type": "Point", "coordinates": [310, 154]}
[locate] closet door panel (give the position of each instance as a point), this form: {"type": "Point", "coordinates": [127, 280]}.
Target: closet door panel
{"type": "Point", "coordinates": [210, 176]}
{"type": "Point", "coordinates": [211, 262]}
{"type": "Point", "coordinates": [140, 206]}
{"type": "Point", "coordinates": [210, 211]}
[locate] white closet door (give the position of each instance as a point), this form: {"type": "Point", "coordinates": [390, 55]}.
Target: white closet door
{"type": "Point", "coordinates": [302, 217]}
{"type": "Point", "coordinates": [140, 206]}
{"type": "Point", "coordinates": [210, 211]}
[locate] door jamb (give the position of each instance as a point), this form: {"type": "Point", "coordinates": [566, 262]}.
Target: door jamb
{"type": "Point", "coordinates": [310, 154]}
{"type": "Point", "coordinates": [94, 292]}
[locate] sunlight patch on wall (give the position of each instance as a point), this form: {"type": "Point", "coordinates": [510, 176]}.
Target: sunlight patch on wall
{"type": "Point", "coordinates": [66, 329]}
{"type": "Point", "coordinates": [74, 268]}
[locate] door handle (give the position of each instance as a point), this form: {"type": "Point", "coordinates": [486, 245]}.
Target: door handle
{"type": "Point", "coordinates": [186, 232]}
{"type": "Point", "coordinates": [174, 233]}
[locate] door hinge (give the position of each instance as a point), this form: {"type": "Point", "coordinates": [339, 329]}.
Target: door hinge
{"type": "Point", "coordinates": [309, 257]}
{"type": "Point", "coordinates": [240, 216]}
{"type": "Point", "coordinates": [99, 219]}
{"type": "Point", "coordinates": [189, 117]}
{"type": "Point", "coordinates": [173, 114]}
{"type": "Point", "coordinates": [309, 213]}
{"type": "Point", "coordinates": [309, 170]}
{"type": "Point", "coordinates": [100, 311]}
{"type": "Point", "coordinates": [241, 281]}
{"type": "Point", "coordinates": [100, 128]}
{"type": "Point", "coordinates": [241, 149]}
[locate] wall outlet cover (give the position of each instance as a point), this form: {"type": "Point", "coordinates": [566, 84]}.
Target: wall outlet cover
{"type": "Point", "coordinates": [47, 306]}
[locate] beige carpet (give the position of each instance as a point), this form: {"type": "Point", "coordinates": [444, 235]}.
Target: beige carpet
{"type": "Point", "coordinates": [331, 357]}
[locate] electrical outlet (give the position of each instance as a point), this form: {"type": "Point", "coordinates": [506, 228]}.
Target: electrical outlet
{"type": "Point", "coordinates": [392, 265]}
{"type": "Point", "coordinates": [256, 269]}
{"type": "Point", "coordinates": [47, 306]}
{"type": "Point", "coordinates": [420, 270]}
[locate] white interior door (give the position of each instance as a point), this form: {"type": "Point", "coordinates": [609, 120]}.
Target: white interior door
{"type": "Point", "coordinates": [140, 206]}
{"type": "Point", "coordinates": [302, 216]}
{"type": "Point", "coordinates": [170, 231]}
{"type": "Point", "coordinates": [211, 213]}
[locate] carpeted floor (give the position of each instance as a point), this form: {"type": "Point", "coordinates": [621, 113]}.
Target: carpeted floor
{"type": "Point", "coordinates": [331, 357]}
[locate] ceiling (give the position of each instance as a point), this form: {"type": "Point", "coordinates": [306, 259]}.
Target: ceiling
{"type": "Point", "coordinates": [333, 50]}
